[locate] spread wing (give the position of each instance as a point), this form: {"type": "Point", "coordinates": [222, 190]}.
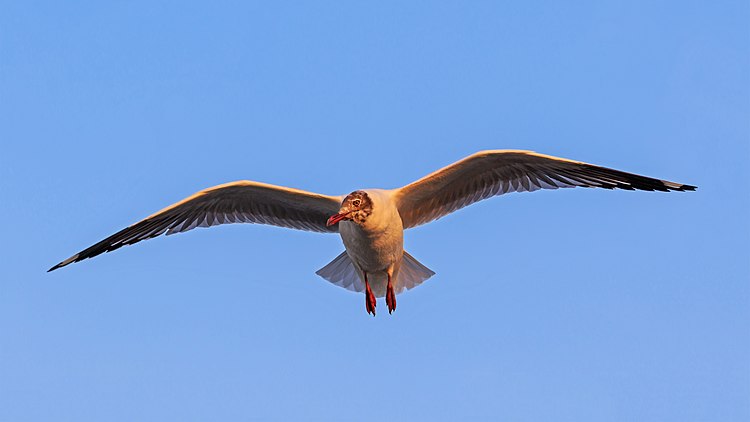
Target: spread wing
{"type": "Point", "coordinates": [491, 173]}
{"type": "Point", "coordinates": [236, 202]}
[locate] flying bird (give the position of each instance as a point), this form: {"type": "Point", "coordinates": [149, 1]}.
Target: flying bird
{"type": "Point", "coordinates": [371, 222]}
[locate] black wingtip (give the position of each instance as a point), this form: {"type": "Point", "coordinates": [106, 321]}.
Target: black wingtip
{"type": "Point", "coordinates": [73, 258]}
{"type": "Point", "coordinates": [677, 187]}
{"type": "Point", "coordinates": [55, 267]}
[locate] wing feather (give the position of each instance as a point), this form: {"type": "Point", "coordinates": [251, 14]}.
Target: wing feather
{"type": "Point", "coordinates": [490, 173]}
{"type": "Point", "coordinates": [243, 201]}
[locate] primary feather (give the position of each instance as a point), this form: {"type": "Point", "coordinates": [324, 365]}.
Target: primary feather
{"type": "Point", "coordinates": [490, 173]}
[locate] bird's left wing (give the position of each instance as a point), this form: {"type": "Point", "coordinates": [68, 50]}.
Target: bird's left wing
{"type": "Point", "coordinates": [236, 202]}
{"type": "Point", "coordinates": [489, 173]}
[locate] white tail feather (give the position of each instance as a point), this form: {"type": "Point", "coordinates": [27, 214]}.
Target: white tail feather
{"type": "Point", "coordinates": [342, 273]}
{"type": "Point", "coordinates": [412, 273]}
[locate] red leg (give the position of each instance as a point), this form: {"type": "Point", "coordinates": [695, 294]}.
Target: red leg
{"type": "Point", "coordinates": [370, 301]}
{"type": "Point", "coordinates": [390, 296]}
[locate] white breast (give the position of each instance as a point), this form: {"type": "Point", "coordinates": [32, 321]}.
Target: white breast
{"type": "Point", "coordinates": [378, 244]}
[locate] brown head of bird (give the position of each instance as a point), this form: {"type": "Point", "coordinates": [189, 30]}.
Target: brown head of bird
{"type": "Point", "coordinates": [356, 207]}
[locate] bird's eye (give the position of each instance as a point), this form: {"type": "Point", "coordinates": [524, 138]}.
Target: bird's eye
{"type": "Point", "coordinates": [356, 202]}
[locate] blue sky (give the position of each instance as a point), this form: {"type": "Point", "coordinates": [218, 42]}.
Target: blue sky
{"type": "Point", "coordinates": [568, 305]}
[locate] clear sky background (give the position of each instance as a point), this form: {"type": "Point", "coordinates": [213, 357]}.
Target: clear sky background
{"type": "Point", "coordinates": [571, 305]}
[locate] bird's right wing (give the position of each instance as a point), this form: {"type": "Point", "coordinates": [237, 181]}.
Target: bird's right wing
{"type": "Point", "coordinates": [236, 202]}
{"type": "Point", "coordinates": [489, 173]}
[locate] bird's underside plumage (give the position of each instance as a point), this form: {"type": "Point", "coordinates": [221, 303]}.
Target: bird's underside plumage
{"type": "Point", "coordinates": [479, 176]}
{"type": "Point", "coordinates": [341, 272]}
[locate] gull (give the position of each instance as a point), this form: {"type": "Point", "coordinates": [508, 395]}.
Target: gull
{"type": "Point", "coordinates": [371, 222]}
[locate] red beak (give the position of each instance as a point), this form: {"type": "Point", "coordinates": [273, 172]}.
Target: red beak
{"type": "Point", "coordinates": [336, 218]}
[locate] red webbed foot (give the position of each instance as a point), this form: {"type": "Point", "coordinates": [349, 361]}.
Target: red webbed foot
{"type": "Point", "coordinates": [390, 297]}
{"type": "Point", "coordinates": [370, 301]}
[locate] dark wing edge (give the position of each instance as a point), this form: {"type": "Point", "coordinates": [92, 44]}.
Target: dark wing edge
{"type": "Point", "coordinates": [496, 172]}
{"type": "Point", "coordinates": [236, 202]}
